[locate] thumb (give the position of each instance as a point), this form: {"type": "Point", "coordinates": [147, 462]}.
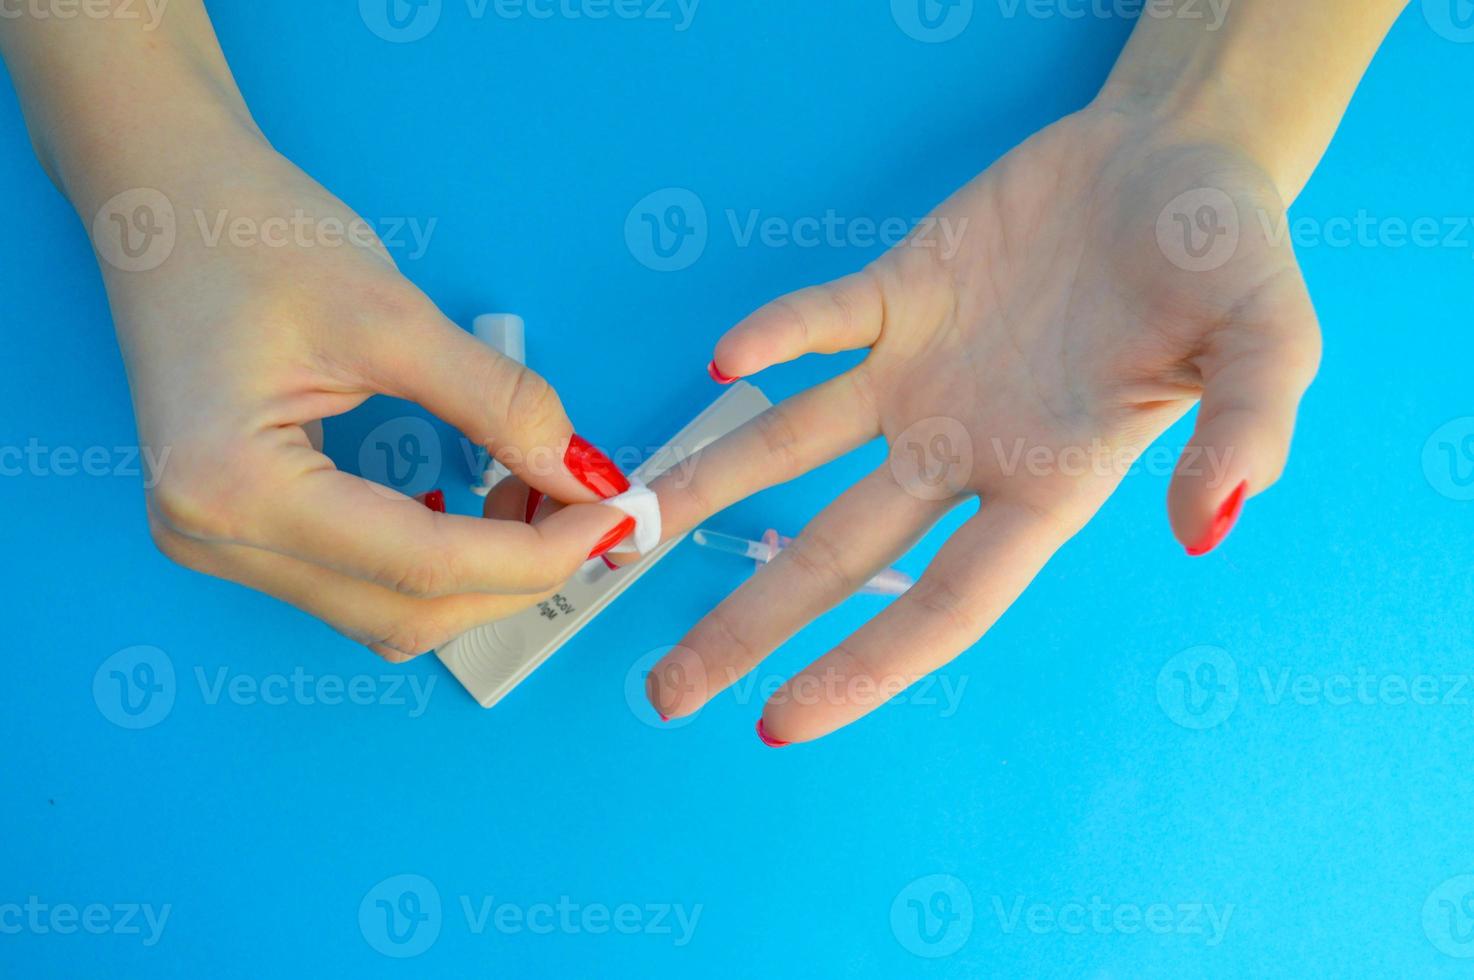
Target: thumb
{"type": "Point", "coordinates": [1256, 369]}
{"type": "Point", "coordinates": [497, 403]}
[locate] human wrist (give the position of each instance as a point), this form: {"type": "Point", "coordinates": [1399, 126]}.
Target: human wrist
{"type": "Point", "coordinates": [114, 105]}
{"type": "Point", "coordinates": [1208, 106]}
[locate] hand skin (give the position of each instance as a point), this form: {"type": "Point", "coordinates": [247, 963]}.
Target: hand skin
{"type": "Point", "coordinates": [1071, 316]}
{"type": "Point", "coordinates": [237, 347]}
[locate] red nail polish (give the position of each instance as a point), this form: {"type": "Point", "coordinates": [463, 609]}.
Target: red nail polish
{"type": "Point", "coordinates": [534, 501]}
{"type": "Point", "coordinates": [593, 469]}
{"type": "Point", "coordinates": [612, 567]}
{"type": "Point", "coordinates": [768, 740]}
{"type": "Point", "coordinates": [616, 534]}
{"type": "Point", "coordinates": [435, 500]}
{"type": "Point", "coordinates": [1227, 516]}
{"type": "Point", "coordinates": [717, 375]}
{"type": "Point", "coordinates": [663, 717]}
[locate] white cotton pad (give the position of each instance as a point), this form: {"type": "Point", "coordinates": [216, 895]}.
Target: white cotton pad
{"type": "Point", "coordinates": [640, 502]}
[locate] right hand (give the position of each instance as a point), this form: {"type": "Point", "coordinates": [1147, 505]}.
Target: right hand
{"type": "Point", "coordinates": [236, 352]}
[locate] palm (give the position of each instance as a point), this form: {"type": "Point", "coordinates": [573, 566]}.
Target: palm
{"type": "Point", "coordinates": [1103, 280]}
{"type": "Point", "coordinates": [1075, 312]}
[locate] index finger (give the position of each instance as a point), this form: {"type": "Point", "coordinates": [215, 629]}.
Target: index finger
{"type": "Point", "coordinates": [305, 509]}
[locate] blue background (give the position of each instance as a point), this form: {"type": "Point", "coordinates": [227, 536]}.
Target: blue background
{"type": "Point", "coordinates": [1059, 776]}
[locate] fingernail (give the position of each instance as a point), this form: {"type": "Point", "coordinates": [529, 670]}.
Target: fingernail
{"type": "Point", "coordinates": [1223, 522]}
{"type": "Point", "coordinates": [650, 687]}
{"type": "Point", "coordinates": [718, 376]}
{"type": "Point", "coordinates": [612, 567]}
{"type": "Point", "coordinates": [616, 534]}
{"type": "Point", "coordinates": [435, 500]}
{"type": "Point", "coordinates": [593, 469]}
{"type": "Point", "coordinates": [534, 501]}
{"type": "Point", "coordinates": [768, 740]}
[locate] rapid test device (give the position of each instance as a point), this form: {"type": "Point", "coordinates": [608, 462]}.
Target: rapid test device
{"type": "Point", "coordinates": [491, 660]}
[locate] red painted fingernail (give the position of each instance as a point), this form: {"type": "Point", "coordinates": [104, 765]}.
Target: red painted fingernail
{"type": "Point", "coordinates": [663, 717]}
{"type": "Point", "coordinates": [612, 567]}
{"type": "Point", "coordinates": [717, 375]}
{"type": "Point", "coordinates": [768, 740]}
{"type": "Point", "coordinates": [593, 469]}
{"type": "Point", "coordinates": [1227, 516]}
{"type": "Point", "coordinates": [616, 534]}
{"type": "Point", "coordinates": [435, 500]}
{"type": "Point", "coordinates": [534, 501]}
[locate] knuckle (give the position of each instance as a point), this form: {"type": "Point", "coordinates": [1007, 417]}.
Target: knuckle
{"type": "Point", "coordinates": [940, 600]}
{"type": "Point", "coordinates": [790, 311]}
{"type": "Point", "coordinates": [207, 495]}
{"type": "Point", "coordinates": [822, 561]}
{"type": "Point", "coordinates": [779, 439]}
{"type": "Point", "coordinates": [844, 307]}
{"type": "Point", "coordinates": [409, 638]}
{"type": "Point", "coordinates": [551, 571]}
{"type": "Point", "coordinates": [425, 574]}
{"type": "Point", "coordinates": [530, 404]}
{"type": "Point", "coordinates": [730, 632]}
{"type": "Point", "coordinates": [1305, 353]}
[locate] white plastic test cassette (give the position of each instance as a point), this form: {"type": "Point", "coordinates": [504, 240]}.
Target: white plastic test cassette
{"type": "Point", "coordinates": [491, 660]}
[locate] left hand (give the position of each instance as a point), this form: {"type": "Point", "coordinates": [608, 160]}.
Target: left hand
{"type": "Point", "coordinates": [1111, 272]}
